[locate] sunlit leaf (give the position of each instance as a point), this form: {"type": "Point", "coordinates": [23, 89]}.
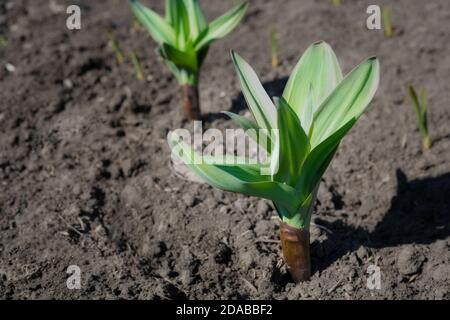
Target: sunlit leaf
{"type": "Point", "coordinates": [319, 69]}
{"type": "Point", "coordinates": [159, 29]}
{"type": "Point", "coordinates": [258, 100]}
{"type": "Point", "coordinates": [222, 26]}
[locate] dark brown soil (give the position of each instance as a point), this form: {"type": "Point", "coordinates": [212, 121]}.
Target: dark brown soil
{"type": "Point", "coordinates": [86, 178]}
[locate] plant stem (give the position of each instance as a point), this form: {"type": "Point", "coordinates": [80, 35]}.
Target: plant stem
{"type": "Point", "coordinates": [426, 143]}
{"type": "Point", "coordinates": [295, 246]}
{"type": "Point", "coordinates": [115, 47]}
{"type": "Point", "coordinates": [274, 47]}
{"type": "Point", "coordinates": [387, 21]}
{"type": "Point", "coordinates": [336, 2]}
{"type": "Point", "coordinates": [137, 66]}
{"type": "Point", "coordinates": [191, 101]}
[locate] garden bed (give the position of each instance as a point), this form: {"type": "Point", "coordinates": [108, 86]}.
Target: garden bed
{"type": "Point", "coordinates": [86, 177]}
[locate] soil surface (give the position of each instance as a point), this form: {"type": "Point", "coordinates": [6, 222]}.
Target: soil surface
{"type": "Point", "coordinates": [86, 177]}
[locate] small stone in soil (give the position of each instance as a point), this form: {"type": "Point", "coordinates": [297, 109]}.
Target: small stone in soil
{"type": "Point", "coordinates": [189, 200]}
{"type": "Point", "coordinates": [361, 253]}
{"type": "Point", "coordinates": [409, 261]}
{"type": "Point", "coordinates": [262, 208]}
{"type": "Point", "coordinates": [441, 273]}
{"type": "Point", "coordinates": [247, 259]}
{"type": "Point", "coordinates": [264, 228]}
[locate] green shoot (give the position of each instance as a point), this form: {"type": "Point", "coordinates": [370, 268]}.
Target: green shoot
{"type": "Point", "coordinates": [3, 42]}
{"type": "Point", "coordinates": [115, 47]}
{"type": "Point", "coordinates": [274, 47]}
{"type": "Point", "coordinates": [336, 2]}
{"type": "Point", "coordinates": [318, 108]}
{"type": "Point", "coordinates": [316, 111]}
{"type": "Point", "coordinates": [184, 37]}
{"type": "Point", "coordinates": [137, 66]}
{"type": "Point", "coordinates": [387, 21]}
{"type": "Point", "coordinates": [420, 105]}
{"type": "Point", "coordinates": [136, 25]}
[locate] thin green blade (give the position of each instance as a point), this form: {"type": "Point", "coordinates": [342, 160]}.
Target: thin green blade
{"type": "Point", "coordinates": [197, 21]}
{"type": "Point", "coordinates": [257, 98]}
{"type": "Point", "coordinates": [221, 26]}
{"type": "Point", "coordinates": [294, 144]}
{"type": "Point", "coordinates": [158, 28]}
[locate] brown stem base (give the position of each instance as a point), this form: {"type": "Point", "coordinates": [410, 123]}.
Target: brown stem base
{"type": "Point", "coordinates": [191, 102]}
{"type": "Point", "coordinates": [295, 246]}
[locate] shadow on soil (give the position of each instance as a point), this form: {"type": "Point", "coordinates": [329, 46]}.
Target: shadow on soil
{"type": "Point", "coordinates": [419, 213]}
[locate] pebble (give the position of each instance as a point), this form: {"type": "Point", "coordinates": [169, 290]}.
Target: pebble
{"type": "Point", "coordinates": [10, 68]}
{"type": "Point", "coordinates": [441, 273]}
{"type": "Point", "coordinates": [362, 253]}
{"type": "Point", "coordinates": [68, 83]}
{"type": "Point", "coordinates": [348, 287]}
{"type": "Point", "coordinates": [409, 261]}
{"type": "Point", "coordinates": [264, 228]}
{"type": "Point", "coordinates": [247, 259]}
{"type": "Point", "coordinates": [262, 208]}
{"type": "Point", "coordinates": [189, 199]}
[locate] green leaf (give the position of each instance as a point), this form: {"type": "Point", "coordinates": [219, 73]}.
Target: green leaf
{"type": "Point", "coordinates": [184, 59]}
{"type": "Point", "coordinates": [294, 144]}
{"type": "Point", "coordinates": [172, 12]}
{"type": "Point", "coordinates": [308, 113]}
{"type": "Point", "coordinates": [318, 160]}
{"type": "Point", "coordinates": [420, 110]}
{"type": "Point", "coordinates": [251, 129]}
{"type": "Point", "coordinates": [159, 29]}
{"type": "Point", "coordinates": [257, 99]}
{"type": "Point", "coordinates": [221, 26]}
{"type": "Point", "coordinates": [197, 21]}
{"type": "Point", "coordinates": [318, 68]}
{"type": "Point", "coordinates": [235, 178]}
{"type": "Point", "coordinates": [347, 101]}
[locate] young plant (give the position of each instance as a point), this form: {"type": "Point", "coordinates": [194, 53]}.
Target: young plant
{"type": "Point", "coordinates": [137, 66]}
{"type": "Point", "coordinates": [387, 21]}
{"type": "Point", "coordinates": [316, 111]}
{"type": "Point", "coordinates": [3, 42]}
{"type": "Point", "coordinates": [184, 37]}
{"type": "Point", "coordinates": [336, 2]}
{"type": "Point", "coordinates": [274, 47]}
{"type": "Point", "coordinates": [420, 107]}
{"type": "Point", "coordinates": [115, 47]}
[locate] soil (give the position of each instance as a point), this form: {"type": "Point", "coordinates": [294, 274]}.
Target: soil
{"type": "Point", "coordinates": [86, 177]}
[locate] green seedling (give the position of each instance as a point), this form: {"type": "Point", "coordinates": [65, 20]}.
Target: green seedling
{"type": "Point", "coordinates": [387, 21]}
{"type": "Point", "coordinates": [114, 44]}
{"type": "Point", "coordinates": [420, 107]}
{"type": "Point", "coordinates": [317, 109]}
{"type": "Point", "coordinates": [336, 2]}
{"type": "Point", "coordinates": [184, 37]}
{"type": "Point", "coordinates": [137, 66]}
{"type": "Point", "coordinates": [136, 25]}
{"type": "Point", "coordinates": [274, 47]}
{"type": "Point", "coordinates": [3, 42]}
